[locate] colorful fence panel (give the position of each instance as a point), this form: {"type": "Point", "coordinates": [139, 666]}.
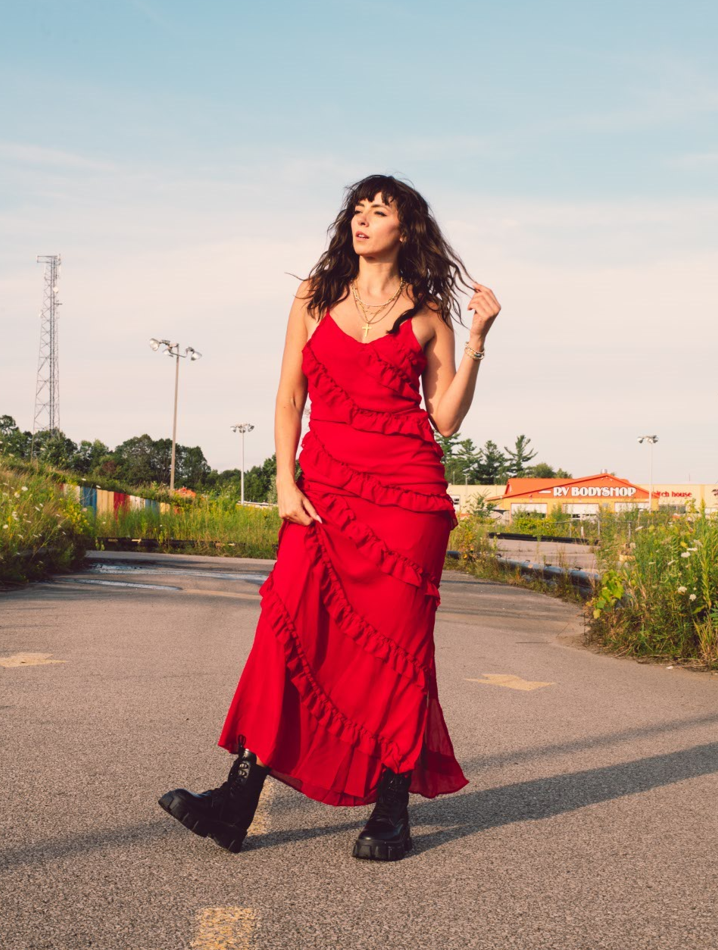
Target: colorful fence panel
{"type": "Point", "coordinates": [103, 502]}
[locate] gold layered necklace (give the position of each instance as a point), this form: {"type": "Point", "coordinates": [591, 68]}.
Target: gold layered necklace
{"type": "Point", "coordinates": [377, 307]}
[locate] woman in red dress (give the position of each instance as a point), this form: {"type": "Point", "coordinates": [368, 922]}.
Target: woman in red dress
{"type": "Point", "coordinates": [338, 697]}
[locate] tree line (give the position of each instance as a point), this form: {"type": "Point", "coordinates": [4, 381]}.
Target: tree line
{"type": "Point", "coordinates": [144, 461]}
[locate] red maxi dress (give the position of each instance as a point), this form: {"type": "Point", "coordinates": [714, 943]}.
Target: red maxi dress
{"type": "Point", "coordinates": [341, 677]}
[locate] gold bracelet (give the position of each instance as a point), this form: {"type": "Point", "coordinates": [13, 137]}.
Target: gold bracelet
{"type": "Point", "coordinates": [475, 355]}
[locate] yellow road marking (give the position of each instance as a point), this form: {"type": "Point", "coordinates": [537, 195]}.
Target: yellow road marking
{"type": "Point", "coordinates": [224, 928]}
{"type": "Point", "coordinates": [260, 822]}
{"type": "Point", "coordinates": [28, 659]}
{"type": "Point", "coordinates": [511, 682]}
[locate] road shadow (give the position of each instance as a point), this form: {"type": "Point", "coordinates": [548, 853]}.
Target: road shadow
{"type": "Point", "coordinates": [467, 813]}
{"type": "Point", "coordinates": [633, 734]}
{"type": "Point", "coordinates": [455, 816]}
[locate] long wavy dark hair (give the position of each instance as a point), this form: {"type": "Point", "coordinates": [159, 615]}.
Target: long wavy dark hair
{"type": "Point", "coordinates": [426, 260]}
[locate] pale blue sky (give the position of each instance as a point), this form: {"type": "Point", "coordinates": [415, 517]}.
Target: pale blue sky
{"type": "Point", "coordinates": [183, 157]}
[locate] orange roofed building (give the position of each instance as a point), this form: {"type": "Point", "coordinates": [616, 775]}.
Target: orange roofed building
{"type": "Point", "coordinates": [575, 496]}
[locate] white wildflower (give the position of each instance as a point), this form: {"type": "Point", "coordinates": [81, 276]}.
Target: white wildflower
{"type": "Point", "coordinates": [681, 590]}
{"type": "Point", "coordinates": [24, 488]}
{"type": "Point", "coordinates": [691, 597]}
{"type": "Point", "coordinates": [686, 554]}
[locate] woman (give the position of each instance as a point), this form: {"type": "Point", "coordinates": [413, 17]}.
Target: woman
{"type": "Point", "coordinates": [338, 697]}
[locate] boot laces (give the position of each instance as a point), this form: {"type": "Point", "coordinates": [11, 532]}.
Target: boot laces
{"type": "Point", "coordinates": [236, 781]}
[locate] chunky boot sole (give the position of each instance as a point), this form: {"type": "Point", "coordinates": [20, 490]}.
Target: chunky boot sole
{"type": "Point", "coordinates": [225, 835]}
{"type": "Point", "coordinates": [382, 850]}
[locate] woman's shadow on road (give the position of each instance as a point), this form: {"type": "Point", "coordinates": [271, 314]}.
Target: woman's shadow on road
{"type": "Point", "coordinates": [460, 815]}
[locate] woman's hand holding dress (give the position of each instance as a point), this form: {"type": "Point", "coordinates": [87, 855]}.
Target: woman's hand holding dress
{"type": "Point", "coordinates": [294, 505]}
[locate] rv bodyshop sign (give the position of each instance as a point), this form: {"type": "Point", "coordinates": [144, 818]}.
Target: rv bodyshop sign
{"type": "Point", "coordinates": [594, 491]}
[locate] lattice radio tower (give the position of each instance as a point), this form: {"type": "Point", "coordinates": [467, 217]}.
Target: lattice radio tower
{"type": "Point", "coordinates": [47, 392]}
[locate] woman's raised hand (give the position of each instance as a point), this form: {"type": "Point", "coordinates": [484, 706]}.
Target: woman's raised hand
{"type": "Point", "coordinates": [486, 308]}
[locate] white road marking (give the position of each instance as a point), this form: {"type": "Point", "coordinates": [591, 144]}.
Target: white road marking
{"type": "Point", "coordinates": [82, 580]}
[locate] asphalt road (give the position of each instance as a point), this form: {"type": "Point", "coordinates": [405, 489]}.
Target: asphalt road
{"type": "Point", "coordinates": [589, 822]}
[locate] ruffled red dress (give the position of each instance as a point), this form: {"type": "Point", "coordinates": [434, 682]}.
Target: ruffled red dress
{"type": "Point", "coordinates": [341, 678]}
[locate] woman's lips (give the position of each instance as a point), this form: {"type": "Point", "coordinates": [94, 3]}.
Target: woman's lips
{"type": "Point", "coordinates": [361, 236]}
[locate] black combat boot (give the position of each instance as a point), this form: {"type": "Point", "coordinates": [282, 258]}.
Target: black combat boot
{"type": "Point", "coordinates": [386, 837]}
{"type": "Point", "coordinates": [225, 813]}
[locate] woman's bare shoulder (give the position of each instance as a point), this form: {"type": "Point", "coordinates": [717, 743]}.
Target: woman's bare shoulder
{"type": "Point", "coordinates": [429, 325]}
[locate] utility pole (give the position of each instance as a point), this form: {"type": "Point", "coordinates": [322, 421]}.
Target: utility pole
{"type": "Point", "coordinates": [242, 427]}
{"type": "Point", "coordinates": [651, 439]}
{"type": "Point", "coordinates": [47, 388]}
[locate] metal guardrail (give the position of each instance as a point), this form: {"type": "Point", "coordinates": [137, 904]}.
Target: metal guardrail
{"type": "Point", "coordinates": [584, 581]}
{"type": "Point", "coordinates": [510, 536]}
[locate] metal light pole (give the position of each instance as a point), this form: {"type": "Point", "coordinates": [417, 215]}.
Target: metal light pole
{"type": "Point", "coordinates": [172, 350]}
{"type": "Point", "coordinates": [651, 439]}
{"type": "Point", "coordinates": [242, 427]}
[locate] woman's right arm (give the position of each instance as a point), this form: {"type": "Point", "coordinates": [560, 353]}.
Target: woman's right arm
{"type": "Point", "coordinates": [291, 398]}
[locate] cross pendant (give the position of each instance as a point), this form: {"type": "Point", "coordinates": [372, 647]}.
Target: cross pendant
{"type": "Point", "coordinates": [365, 328]}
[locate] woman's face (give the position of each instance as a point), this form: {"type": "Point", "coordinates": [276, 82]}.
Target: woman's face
{"type": "Point", "coordinates": [376, 228]}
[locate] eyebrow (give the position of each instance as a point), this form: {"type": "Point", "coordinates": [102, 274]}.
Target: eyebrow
{"type": "Point", "coordinates": [377, 205]}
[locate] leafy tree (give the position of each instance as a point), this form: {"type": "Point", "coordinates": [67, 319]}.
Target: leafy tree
{"type": "Point", "coordinates": [107, 466]}
{"type": "Point", "coordinates": [55, 448]}
{"type": "Point", "coordinates": [142, 460]}
{"type": "Point", "coordinates": [12, 440]}
{"type": "Point", "coordinates": [89, 456]}
{"type": "Point", "coordinates": [259, 481]}
{"type": "Point", "coordinates": [191, 467]}
{"type": "Point", "coordinates": [543, 470]}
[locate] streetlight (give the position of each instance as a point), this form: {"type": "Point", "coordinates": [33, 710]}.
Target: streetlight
{"type": "Point", "coordinates": [651, 439]}
{"type": "Point", "coordinates": [172, 350]}
{"type": "Point", "coordinates": [242, 427]}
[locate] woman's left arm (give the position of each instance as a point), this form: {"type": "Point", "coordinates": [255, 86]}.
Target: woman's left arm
{"type": "Point", "coordinates": [448, 391]}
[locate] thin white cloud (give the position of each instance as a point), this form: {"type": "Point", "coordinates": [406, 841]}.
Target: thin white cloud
{"type": "Point", "coordinates": [22, 153]}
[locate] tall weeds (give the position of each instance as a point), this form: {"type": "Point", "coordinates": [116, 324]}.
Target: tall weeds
{"type": "Point", "coordinates": [41, 531]}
